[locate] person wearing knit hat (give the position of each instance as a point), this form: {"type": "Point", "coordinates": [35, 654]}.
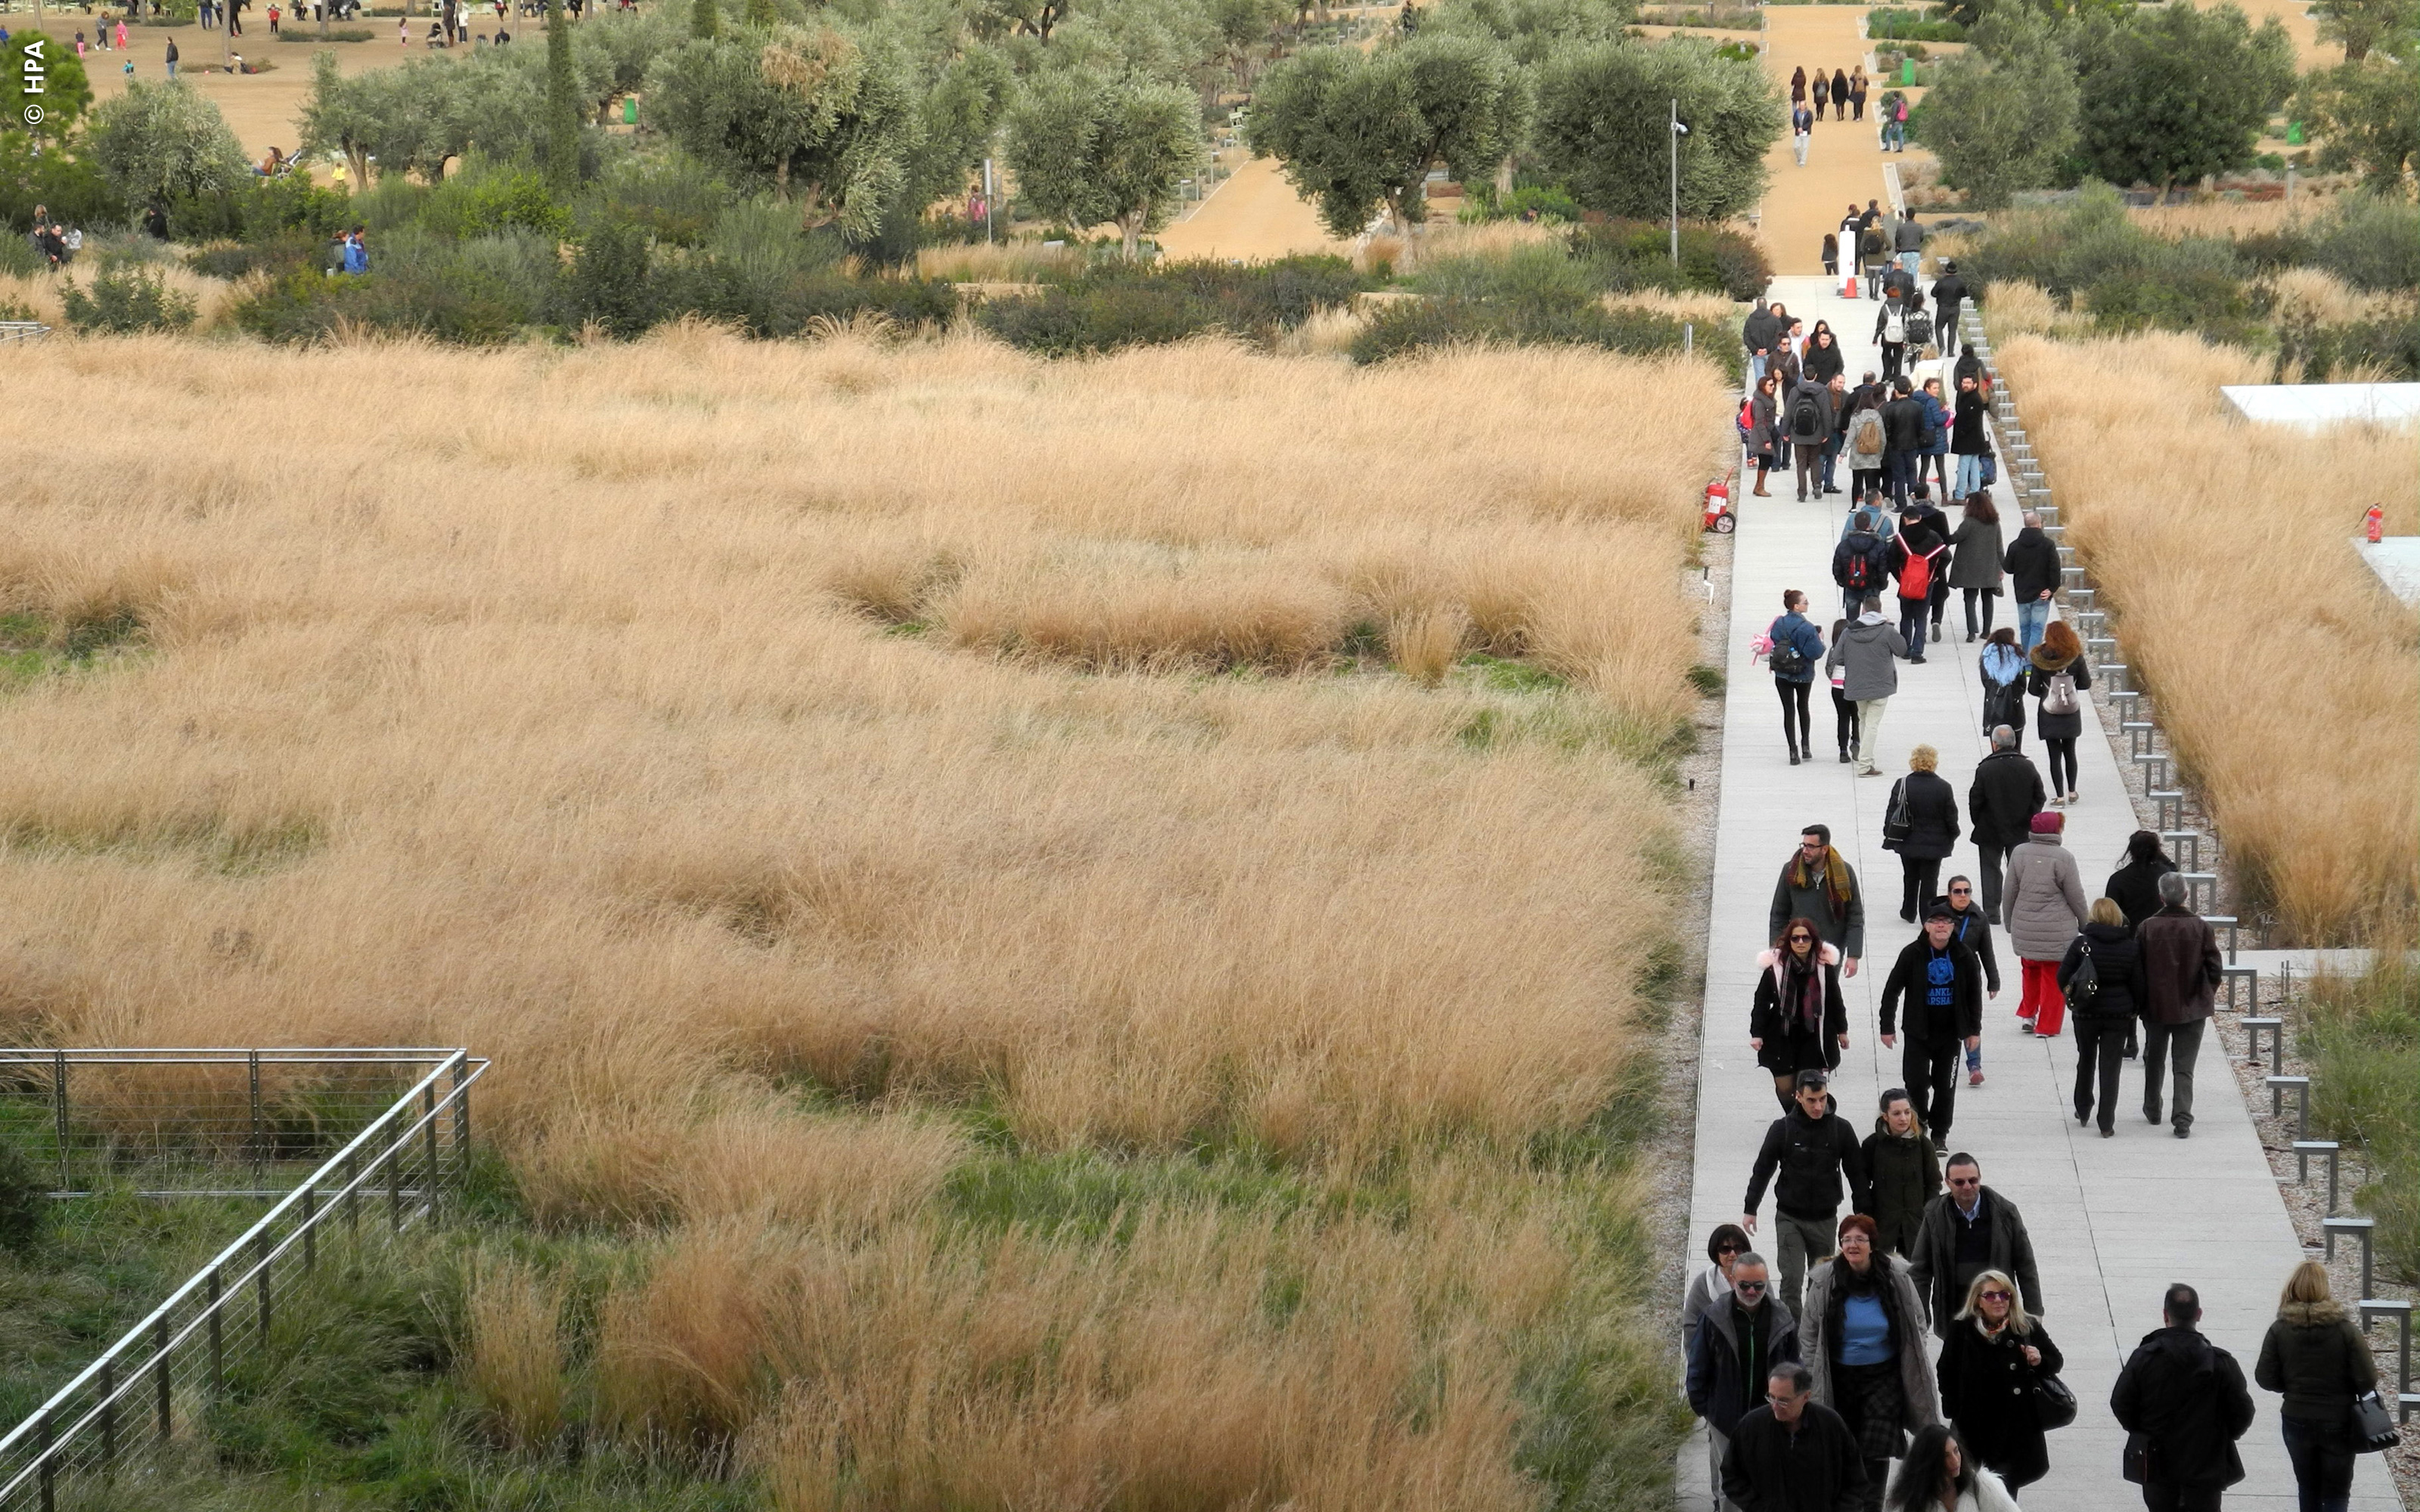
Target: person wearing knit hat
{"type": "Point", "coordinates": [2045, 904]}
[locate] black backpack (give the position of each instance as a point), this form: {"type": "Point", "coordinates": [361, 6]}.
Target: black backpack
{"type": "Point", "coordinates": [1861, 565]}
{"type": "Point", "coordinates": [1919, 326]}
{"type": "Point", "coordinates": [1805, 419]}
{"type": "Point", "coordinates": [1785, 659]}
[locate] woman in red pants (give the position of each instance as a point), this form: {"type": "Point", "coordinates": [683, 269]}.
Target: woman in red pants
{"type": "Point", "coordinates": [2043, 908]}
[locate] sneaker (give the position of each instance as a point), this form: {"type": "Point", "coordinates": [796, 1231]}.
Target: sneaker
{"type": "Point", "coordinates": [2184, 1130]}
{"type": "Point", "coordinates": [2025, 1026]}
{"type": "Point", "coordinates": [1917, 661]}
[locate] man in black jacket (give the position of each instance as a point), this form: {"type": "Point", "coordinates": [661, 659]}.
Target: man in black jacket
{"type": "Point", "coordinates": [1860, 564]}
{"type": "Point", "coordinates": [1903, 439]}
{"type": "Point", "coordinates": [1944, 983]}
{"type": "Point", "coordinates": [2033, 563]}
{"type": "Point", "coordinates": [2006, 793]}
{"type": "Point", "coordinates": [1813, 1150]}
{"type": "Point", "coordinates": [2182, 1402]}
{"type": "Point", "coordinates": [1757, 334]}
{"type": "Point", "coordinates": [1793, 1454]}
{"type": "Point", "coordinates": [1741, 1340]}
{"type": "Point", "coordinates": [1968, 1229]}
{"type": "Point", "coordinates": [1948, 293]}
{"type": "Point", "coordinates": [1972, 928]}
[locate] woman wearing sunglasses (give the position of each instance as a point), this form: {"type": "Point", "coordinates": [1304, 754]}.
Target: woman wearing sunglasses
{"type": "Point", "coordinates": [1798, 1022]}
{"type": "Point", "coordinates": [1990, 1363]}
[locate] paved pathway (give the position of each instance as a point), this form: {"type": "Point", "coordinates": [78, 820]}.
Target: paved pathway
{"type": "Point", "coordinates": [2112, 1221]}
{"type": "Point", "coordinates": [1844, 159]}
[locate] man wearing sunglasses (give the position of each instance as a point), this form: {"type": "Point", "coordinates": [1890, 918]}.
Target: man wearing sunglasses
{"type": "Point", "coordinates": [1943, 986]}
{"type": "Point", "coordinates": [1971, 926]}
{"type": "Point", "coordinates": [1793, 1454]}
{"type": "Point", "coordinates": [1740, 1342]}
{"type": "Point", "coordinates": [1967, 1230]}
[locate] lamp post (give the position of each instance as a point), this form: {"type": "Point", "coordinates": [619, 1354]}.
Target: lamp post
{"type": "Point", "coordinates": [1678, 131]}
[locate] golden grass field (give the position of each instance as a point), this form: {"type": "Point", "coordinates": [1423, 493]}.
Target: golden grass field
{"type": "Point", "coordinates": [862, 793]}
{"type": "Point", "coordinates": [2286, 676]}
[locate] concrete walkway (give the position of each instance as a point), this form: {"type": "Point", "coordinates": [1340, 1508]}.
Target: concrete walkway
{"type": "Point", "coordinates": [2112, 1221]}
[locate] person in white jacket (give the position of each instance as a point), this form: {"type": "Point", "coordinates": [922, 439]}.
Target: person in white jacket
{"type": "Point", "coordinates": [1937, 1475]}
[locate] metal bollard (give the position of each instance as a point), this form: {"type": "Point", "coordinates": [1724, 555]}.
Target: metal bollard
{"type": "Point", "coordinates": [2305, 1150]}
{"type": "Point", "coordinates": [2302, 1086]}
{"type": "Point", "coordinates": [2361, 1229]}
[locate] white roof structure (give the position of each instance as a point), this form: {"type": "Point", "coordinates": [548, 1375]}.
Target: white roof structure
{"type": "Point", "coordinates": [2318, 406]}
{"type": "Point", "coordinates": [2397, 561]}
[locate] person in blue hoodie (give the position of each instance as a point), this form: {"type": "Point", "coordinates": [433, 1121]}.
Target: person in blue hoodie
{"type": "Point", "coordinates": [1797, 649]}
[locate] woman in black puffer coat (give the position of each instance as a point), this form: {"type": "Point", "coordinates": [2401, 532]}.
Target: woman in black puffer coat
{"type": "Point", "coordinates": [2102, 1019]}
{"type": "Point", "coordinates": [1931, 830]}
{"type": "Point", "coordinates": [2135, 887]}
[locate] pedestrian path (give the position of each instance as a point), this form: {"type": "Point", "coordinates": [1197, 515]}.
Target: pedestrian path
{"type": "Point", "coordinates": [1844, 159]}
{"type": "Point", "coordinates": [2112, 1221]}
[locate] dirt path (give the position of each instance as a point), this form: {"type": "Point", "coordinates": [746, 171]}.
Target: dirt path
{"type": "Point", "coordinates": [259, 107]}
{"type": "Point", "coordinates": [2308, 53]}
{"type": "Point", "coordinates": [1844, 163]}
{"type": "Point", "coordinates": [1256, 214]}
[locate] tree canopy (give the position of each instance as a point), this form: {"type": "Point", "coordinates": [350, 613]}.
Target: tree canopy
{"type": "Point", "coordinates": [1087, 150]}
{"type": "Point", "coordinates": [2003, 116]}
{"type": "Point", "coordinates": [2172, 93]}
{"type": "Point", "coordinates": [1602, 127]}
{"type": "Point", "coordinates": [157, 141]}
{"type": "Point", "coordinates": [1359, 130]}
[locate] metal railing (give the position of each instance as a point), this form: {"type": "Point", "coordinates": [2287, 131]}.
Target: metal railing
{"type": "Point", "coordinates": [150, 1390]}
{"type": "Point", "coordinates": [195, 1123]}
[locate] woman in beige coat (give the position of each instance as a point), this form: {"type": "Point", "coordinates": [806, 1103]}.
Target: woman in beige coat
{"type": "Point", "coordinates": [1863, 1338]}
{"type": "Point", "coordinates": [2042, 906]}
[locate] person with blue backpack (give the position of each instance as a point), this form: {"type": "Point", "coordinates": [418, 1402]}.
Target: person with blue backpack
{"type": "Point", "coordinates": [1796, 648]}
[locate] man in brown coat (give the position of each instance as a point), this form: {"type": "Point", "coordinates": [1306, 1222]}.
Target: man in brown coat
{"type": "Point", "coordinates": [2181, 970]}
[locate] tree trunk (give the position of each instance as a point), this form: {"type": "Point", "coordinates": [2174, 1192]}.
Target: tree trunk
{"type": "Point", "coordinates": [1131, 227]}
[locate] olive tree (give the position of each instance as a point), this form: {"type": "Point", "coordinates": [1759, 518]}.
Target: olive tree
{"type": "Point", "coordinates": [157, 141]}
{"type": "Point", "coordinates": [1087, 149]}
{"type": "Point", "coordinates": [1603, 127]}
{"type": "Point", "coordinates": [1358, 132]}
{"type": "Point", "coordinates": [2003, 116]}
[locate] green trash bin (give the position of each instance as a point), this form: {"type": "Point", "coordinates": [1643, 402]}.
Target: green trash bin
{"type": "Point", "coordinates": [1907, 71]}
{"type": "Point", "coordinates": [630, 110]}
{"type": "Point", "coordinates": [2294, 133]}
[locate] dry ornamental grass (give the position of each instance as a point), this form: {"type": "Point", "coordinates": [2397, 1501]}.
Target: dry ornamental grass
{"type": "Point", "coordinates": [2285, 672]}
{"type": "Point", "coordinates": [1077, 755]}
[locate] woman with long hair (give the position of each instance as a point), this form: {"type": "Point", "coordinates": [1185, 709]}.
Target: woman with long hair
{"type": "Point", "coordinates": [1862, 1337]}
{"type": "Point", "coordinates": [1990, 1362]}
{"type": "Point", "coordinates": [1938, 1475]}
{"type": "Point", "coordinates": [1975, 562]}
{"type": "Point", "coordinates": [2316, 1357]}
{"type": "Point", "coordinates": [2058, 708]}
{"type": "Point", "coordinates": [1764, 428]}
{"type": "Point", "coordinates": [1798, 1021]}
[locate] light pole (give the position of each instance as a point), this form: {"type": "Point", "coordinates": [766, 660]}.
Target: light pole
{"type": "Point", "coordinates": [1678, 131]}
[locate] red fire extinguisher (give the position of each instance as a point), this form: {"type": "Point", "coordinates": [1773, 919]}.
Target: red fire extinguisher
{"type": "Point", "coordinates": [2374, 522]}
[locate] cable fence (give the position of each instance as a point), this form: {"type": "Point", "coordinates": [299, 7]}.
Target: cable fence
{"type": "Point", "coordinates": [138, 1411]}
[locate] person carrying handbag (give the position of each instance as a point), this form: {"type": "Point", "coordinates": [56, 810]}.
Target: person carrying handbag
{"type": "Point", "coordinates": [2317, 1359]}
{"type": "Point", "coordinates": [1993, 1390]}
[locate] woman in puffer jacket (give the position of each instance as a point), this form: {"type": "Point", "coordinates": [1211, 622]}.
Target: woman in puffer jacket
{"type": "Point", "coordinates": [1799, 1022]}
{"type": "Point", "coordinates": [2042, 906]}
{"type": "Point", "coordinates": [2102, 1018]}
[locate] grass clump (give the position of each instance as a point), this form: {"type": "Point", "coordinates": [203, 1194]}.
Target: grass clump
{"type": "Point", "coordinates": [2361, 1034]}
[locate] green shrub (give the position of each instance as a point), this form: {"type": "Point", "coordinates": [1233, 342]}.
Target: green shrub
{"type": "Point", "coordinates": [480, 200]}
{"type": "Point", "coordinates": [280, 255]}
{"type": "Point", "coordinates": [126, 299]}
{"type": "Point", "coordinates": [1418, 326]}
{"type": "Point", "coordinates": [1637, 255]}
{"type": "Point", "coordinates": [2363, 1035]}
{"type": "Point", "coordinates": [1120, 305]}
{"type": "Point", "coordinates": [2370, 243]}
{"type": "Point", "coordinates": [472, 293]}
{"type": "Point", "coordinates": [1886, 24]}
{"type": "Point", "coordinates": [74, 189]}
{"type": "Point", "coordinates": [608, 284]}
{"type": "Point", "coordinates": [2390, 346]}
{"type": "Point", "coordinates": [678, 200]}
{"type": "Point", "coordinates": [1550, 203]}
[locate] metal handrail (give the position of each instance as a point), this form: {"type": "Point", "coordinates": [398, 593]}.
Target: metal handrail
{"type": "Point", "coordinates": [126, 1368]}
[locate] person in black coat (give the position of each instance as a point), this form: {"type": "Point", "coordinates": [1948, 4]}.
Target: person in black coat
{"type": "Point", "coordinates": [1948, 293]}
{"type": "Point", "coordinates": [2103, 1019]}
{"type": "Point", "coordinates": [2182, 1402]}
{"type": "Point", "coordinates": [1798, 1022]}
{"type": "Point", "coordinates": [1931, 806]}
{"type": "Point", "coordinates": [1972, 928]}
{"type": "Point", "coordinates": [1793, 1454]}
{"type": "Point", "coordinates": [2005, 795]}
{"type": "Point", "coordinates": [1944, 985]}
{"type": "Point", "coordinates": [1988, 1367]}
{"type": "Point", "coordinates": [2032, 568]}
{"type": "Point", "coordinates": [2135, 886]}
{"type": "Point", "coordinates": [1809, 1157]}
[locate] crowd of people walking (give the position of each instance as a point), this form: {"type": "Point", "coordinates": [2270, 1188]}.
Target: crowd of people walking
{"type": "Point", "coordinates": [1889, 1307]}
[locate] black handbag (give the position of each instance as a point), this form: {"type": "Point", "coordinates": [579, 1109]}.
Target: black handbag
{"type": "Point", "coordinates": [2373, 1426]}
{"type": "Point", "coordinates": [2054, 1404]}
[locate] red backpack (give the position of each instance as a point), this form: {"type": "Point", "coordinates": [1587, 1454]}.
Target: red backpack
{"type": "Point", "coordinates": [1916, 578]}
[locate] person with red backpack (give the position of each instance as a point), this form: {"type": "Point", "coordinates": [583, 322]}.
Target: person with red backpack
{"type": "Point", "coordinates": [1860, 562]}
{"type": "Point", "coordinates": [1917, 558]}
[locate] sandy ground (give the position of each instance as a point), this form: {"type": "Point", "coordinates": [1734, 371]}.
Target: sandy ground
{"type": "Point", "coordinates": [2299, 25]}
{"type": "Point", "coordinates": [1255, 214]}
{"type": "Point", "coordinates": [1844, 163]}
{"type": "Point", "coordinates": [259, 107]}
